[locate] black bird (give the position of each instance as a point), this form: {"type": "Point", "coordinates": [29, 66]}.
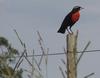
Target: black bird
{"type": "Point", "coordinates": [70, 20]}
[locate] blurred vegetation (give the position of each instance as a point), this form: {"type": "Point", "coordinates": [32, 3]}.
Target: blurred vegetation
{"type": "Point", "coordinates": [11, 60]}
{"type": "Point", "coordinates": [8, 56]}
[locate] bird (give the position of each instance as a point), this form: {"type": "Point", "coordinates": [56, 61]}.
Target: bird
{"type": "Point", "coordinates": [70, 20]}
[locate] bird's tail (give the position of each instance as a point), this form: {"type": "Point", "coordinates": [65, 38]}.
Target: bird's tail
{"type": "Point", "coordinates": [61, 30]}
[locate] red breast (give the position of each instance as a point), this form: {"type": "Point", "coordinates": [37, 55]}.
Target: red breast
{"type": "Point", "coordinates": [75, 17]}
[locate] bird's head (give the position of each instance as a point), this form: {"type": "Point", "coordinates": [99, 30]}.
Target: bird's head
{"type": "Point", "coordinates": [77, 8]}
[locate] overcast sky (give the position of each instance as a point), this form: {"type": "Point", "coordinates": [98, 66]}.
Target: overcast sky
{"type": "Point", "coordinates": [46, 16]}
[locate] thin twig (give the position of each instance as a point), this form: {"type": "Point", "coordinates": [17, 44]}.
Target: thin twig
{"type": "Point", "coordinates": [63, 61]}
{"type": "Point", "coordinates": [62, 72]}
{"type": "Point", "coordinates": [28, 61]}
{"type": "Point", "coordinates": [18, 37]}
{"type": "Point", "coordinates": [83, 52]}
{"type": "Point", "coordinates": [41, 46]}
{"type": "Point", "coordinates": [18, 61]}
{"type": "Point", "coordinates": [42, 53]}
{"type": "Point", "coordinates": [89, 75]}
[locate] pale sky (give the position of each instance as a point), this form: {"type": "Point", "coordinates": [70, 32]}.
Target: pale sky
{"type": "Point", "coordinates": [28, 16]}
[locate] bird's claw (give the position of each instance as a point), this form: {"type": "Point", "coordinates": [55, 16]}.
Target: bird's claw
{"type": "Point", "coordinates": [71, 33]}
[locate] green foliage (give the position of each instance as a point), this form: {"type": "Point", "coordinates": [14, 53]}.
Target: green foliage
{"type": "Point", "coordinates": [7, 56]}
{"type": "Point", "coordinates": [3, 41]}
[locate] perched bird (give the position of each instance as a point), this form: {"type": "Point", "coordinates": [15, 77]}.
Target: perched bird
{"type": "Point", "coordinates": [70, 20]}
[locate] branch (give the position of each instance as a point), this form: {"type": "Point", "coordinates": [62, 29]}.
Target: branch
{"type": "Point", "coordinates": [89, 75]}
{"type": "Point", "coordinates": [83, 52]}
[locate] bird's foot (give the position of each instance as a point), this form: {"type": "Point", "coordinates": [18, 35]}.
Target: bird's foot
{"type": "Point", "coordinates": [71, 33]}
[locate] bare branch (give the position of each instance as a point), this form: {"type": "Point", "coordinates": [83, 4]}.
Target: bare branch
{"type": "Point", "coordinates": [89, 75]}
{"type": "Point", "coordinates": [62, 72]}
{"type": "Point", "coordinates": [63, 61]}
{"type": "Point", "coordinates": [18, 37]}
{"type": "Point", "coordinates": [40, 40]}
{"type": "Point", "coordinates": [19, 61]}
{"type": "Point", "coordinates": [83, 52]}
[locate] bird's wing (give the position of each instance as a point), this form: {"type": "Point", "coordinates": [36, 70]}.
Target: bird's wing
{"type": "Point", "coordinates": [67, 20]}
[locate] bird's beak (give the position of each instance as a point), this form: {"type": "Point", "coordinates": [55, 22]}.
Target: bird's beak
{"type": "Point", "coordinates": [81, 8]}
